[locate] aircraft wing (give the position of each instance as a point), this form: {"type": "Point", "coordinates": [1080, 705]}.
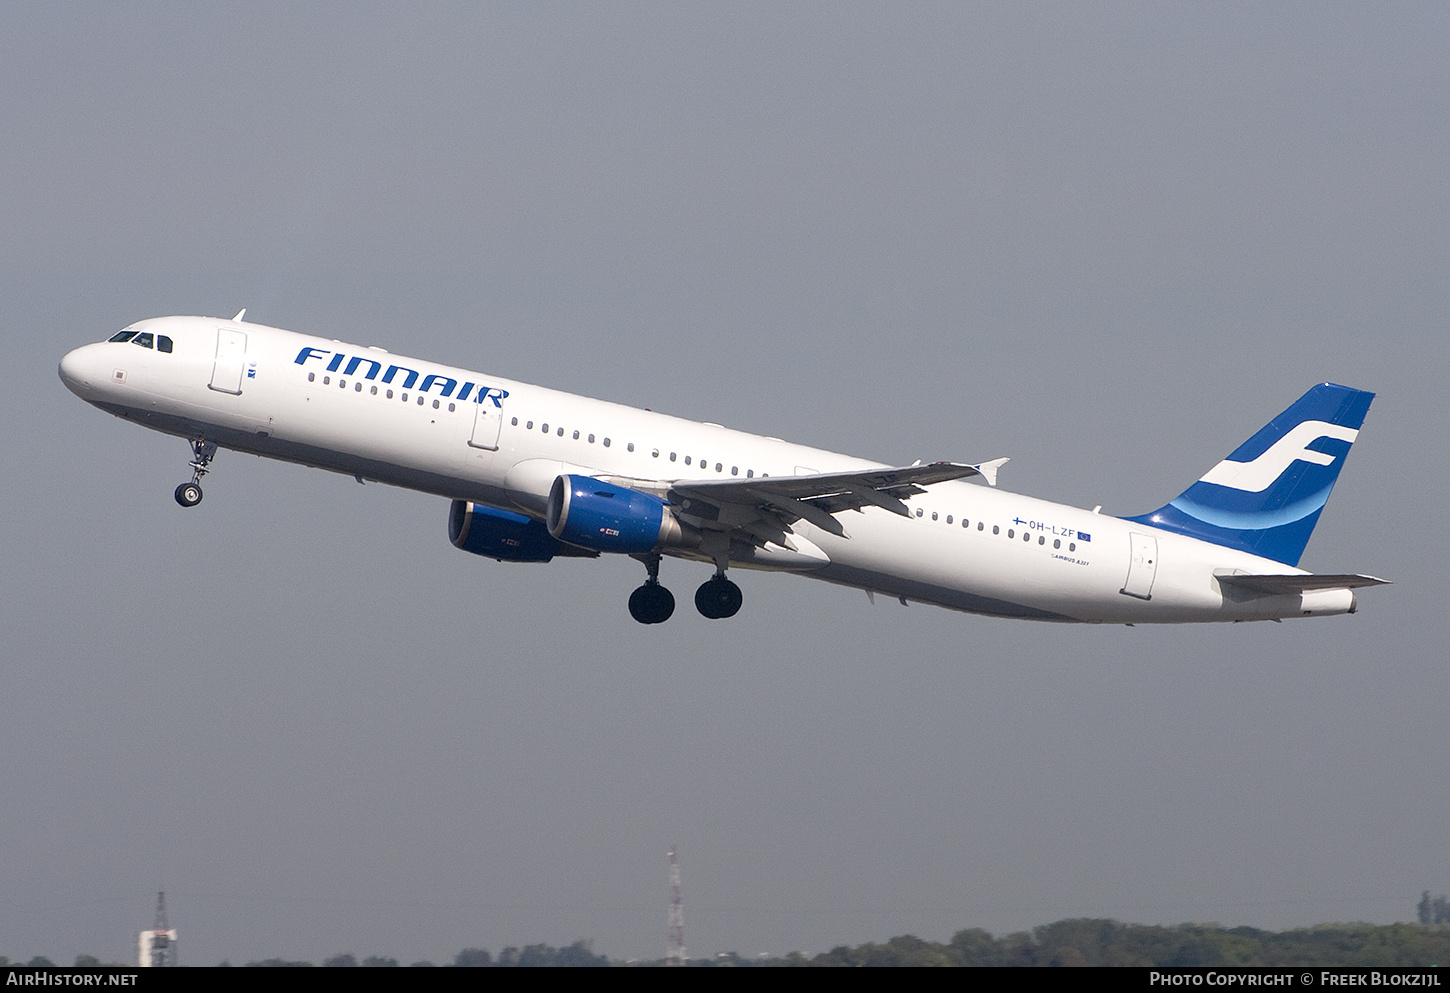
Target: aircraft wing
{"type": "Point", "coordinates": [766, 506]}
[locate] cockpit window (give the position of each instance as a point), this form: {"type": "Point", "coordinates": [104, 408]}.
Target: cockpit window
{"type": "Point", "coordinates": [122, 336]}
{"type": "Point", "coordinates": [144, 340]}
{"type": "Point", "coordinates": [163, 343]}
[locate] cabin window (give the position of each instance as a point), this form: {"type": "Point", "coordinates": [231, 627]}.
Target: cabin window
{"type": "Point", "coordinates": [919, 511]}
{"type": "Point", "coordinates": [403, 397]}
{"type": "Point", "coordinates": [450, 408]}
{"type": "Point", "coordinates": [734, 470]}
{"type": "Point", "coordinates": [311, 377]}
{"type": "Point", "coordinates": [949, 518]}
{"type": "Point", "coordinates": [606, 442]}
{"type": "Point", "coordinates": [1041, 539]}
{"type": "Point", "coordinates": [390, 394]}
{"type": "Point", "coordinates": [163, 343]}
{"type": "Point", "coordinates": [591, 439]}
{"type": "Point", "coordinates": [546, 429]}
{"type": "Point", "coordinates": [687, 460]}
{"type": "Point", "coordinates": [420, 399]}
{"type": "Point", "coordinates": [122, 336]}
{"type": "Point", "coordinates": [629, 447]}
{"type": "Point", "coordinates": [528, 425]}
{"type": "Point", "coordinates": [342, 384]}
{"type": "Point", "coordinates": [672, 456]}
{"type": "Point", "coordinates": [357, 387]}
{"type": "Point", "coordinates": [1056, 542]}
{"type": "Point", "coordinates": [435, 404]}
{"type": "Point", "coordinates": [654, 453]}
{"type": "Point", "coordinates": [749, 473]}
{"type": "Point", "coordinates": [576, 435]}
{"type": "Point", "coordinates": [1072, 546]}
{"type": "Point", "coordinates": [1026, 536]}
{"type": "Point", "coordinates": [374, 391]}
{"type": "Point", "coordinates": [1011, 533]}
{"type": "Point", "coordinates": [719, 467]}
{"type": "Point", "coordinates": [933, 515]}
{"type": "Point", "coordinates": [514, 422]}
{"type": "Point", "coordinates": [980, 525]}
{"type": "Point", "coordinates": [560, 433]}
{"type": "Point", "coordinates": [996, 528]}
{"type": "Point", "coordinates": [326, 380]}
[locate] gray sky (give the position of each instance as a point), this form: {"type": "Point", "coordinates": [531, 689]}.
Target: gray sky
{"type": "Point", "coordinates": [1109, 241]}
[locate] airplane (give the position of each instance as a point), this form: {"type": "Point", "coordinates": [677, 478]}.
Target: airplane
{"type": "Point", "coordinates": [533, 474]}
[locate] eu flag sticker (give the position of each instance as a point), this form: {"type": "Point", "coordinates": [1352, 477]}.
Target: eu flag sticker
{"type": "Point", "coordinates": [1083, 536]}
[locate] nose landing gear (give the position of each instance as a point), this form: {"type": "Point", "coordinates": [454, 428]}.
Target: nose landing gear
{"type": "Point", "coordinates": [202, 452]}
{"type": "Point", "coordinates": [188, 494]}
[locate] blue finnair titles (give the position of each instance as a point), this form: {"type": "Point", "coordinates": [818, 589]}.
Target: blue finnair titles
{"type": "Point", "coordinates": [1266, 497]}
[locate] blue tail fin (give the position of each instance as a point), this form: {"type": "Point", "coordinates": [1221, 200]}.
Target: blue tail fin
{"type": "Point", "coordinates": [1266, 497]}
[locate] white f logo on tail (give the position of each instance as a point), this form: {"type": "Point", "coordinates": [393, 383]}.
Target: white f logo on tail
{"type": "Point", "coordinates": [1260, 474]}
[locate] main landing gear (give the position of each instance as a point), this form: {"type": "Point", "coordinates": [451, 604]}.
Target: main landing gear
{"type": "Point", "coordinates": [653, 604]}
{"type": "Point", "coordinates": [718, 597]}
{"type": "Point", "coordinates": [202, 452]}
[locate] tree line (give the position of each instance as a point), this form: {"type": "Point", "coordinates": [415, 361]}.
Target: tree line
{"type": "Point", "coordinates": [1080, 942]}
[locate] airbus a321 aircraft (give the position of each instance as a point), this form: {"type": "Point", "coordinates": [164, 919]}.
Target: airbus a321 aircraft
{"type": "Point", "coordinates": [533, 473]}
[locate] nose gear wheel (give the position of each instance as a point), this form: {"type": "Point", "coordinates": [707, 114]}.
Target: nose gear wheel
{"type": "Point", "coordinates": [202, 452]}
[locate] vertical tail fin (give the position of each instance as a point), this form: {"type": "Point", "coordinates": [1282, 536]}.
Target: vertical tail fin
{"type": "Point", "coordinates": [1266, 497]}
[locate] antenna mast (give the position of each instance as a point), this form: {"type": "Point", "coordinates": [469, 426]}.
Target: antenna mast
{"type": "Point", "coordinates": [158, 946]}
{"type": "Point", "coordinates": [676, 953]}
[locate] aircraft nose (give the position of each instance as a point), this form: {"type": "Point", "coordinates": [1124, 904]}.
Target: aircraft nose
{"type": "Point", "coordinates": [76, 368]}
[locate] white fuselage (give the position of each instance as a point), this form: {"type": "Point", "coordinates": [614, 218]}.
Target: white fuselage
{"type": "Point", "coordinates": [368, 413]}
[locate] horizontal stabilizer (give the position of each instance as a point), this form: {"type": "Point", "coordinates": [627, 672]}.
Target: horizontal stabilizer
{"type": "Point", "coordinates": [1276, 584]}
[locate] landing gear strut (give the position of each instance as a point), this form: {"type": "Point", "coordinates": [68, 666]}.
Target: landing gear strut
{"type": "Point", "coordinates": [651, 603]}
{"type": "Point", "coordinates": [202, 452]}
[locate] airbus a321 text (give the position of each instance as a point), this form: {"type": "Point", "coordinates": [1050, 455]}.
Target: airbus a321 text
{"type": "Point", "coordinates": [534, 473]}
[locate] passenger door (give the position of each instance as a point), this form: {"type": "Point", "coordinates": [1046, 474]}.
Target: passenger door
{"type": "Point", "coordinates": [231, 359]}
{"type": "Point", "coordinates": [1142, 566]}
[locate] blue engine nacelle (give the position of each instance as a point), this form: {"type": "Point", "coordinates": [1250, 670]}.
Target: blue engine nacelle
{"type": "Point", "coordinates": [607, 518]}
{"type": "Point", "coordinates": [499, 534]}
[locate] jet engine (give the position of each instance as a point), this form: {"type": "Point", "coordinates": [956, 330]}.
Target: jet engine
{"type": "Point", "coordinates": [608, 518]}
{"type": "Point", "coordinates": [499, 534]}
